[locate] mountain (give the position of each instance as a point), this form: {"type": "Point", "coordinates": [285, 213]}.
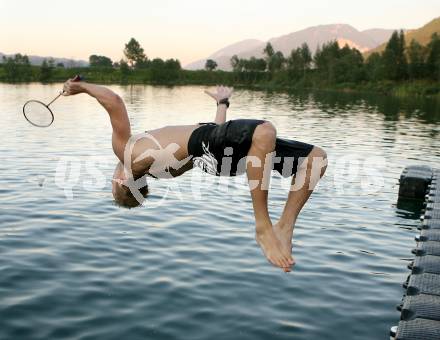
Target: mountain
{"type": "Point", "coordinates": [223, 56]}
{"type": "Point", "coordinates": [38, 60]}
{"type": "Point", "coordinates": [318, 35]}
{"type": "Point", "coordinates": [422, 35]}
{"type": "Point", "coordinates": [378, 35]}
{"type": "Point", "coordinates": [238, 47]}
{"type": "Point", "coordinates": [314, 36]}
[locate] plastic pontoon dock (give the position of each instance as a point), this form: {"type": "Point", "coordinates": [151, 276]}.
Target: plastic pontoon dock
{"type": "Point", "coordinates": [420, 306]}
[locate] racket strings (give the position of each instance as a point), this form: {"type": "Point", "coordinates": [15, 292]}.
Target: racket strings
{"type": "Point", "coordinates": [37, 113]}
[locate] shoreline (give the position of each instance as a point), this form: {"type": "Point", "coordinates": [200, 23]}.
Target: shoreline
{"type": "Point", "coordinates": [402, 89]}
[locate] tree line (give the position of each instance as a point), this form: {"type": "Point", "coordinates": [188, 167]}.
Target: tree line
{"type": "Point", "coordinates": [330, 65]}
{"type": "Point", "coordinates": [18, 68]}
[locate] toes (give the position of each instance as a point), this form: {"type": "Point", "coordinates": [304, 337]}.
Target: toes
{"type": "Point", "coordinates": [287, 267]}
{"type": "Point", "coordinates": [286, 252]}
{"type": "Point", "coordinates": [285, 263]}
{"type": "Point", "coordinates": [273, 261]}
{"type": "Point", "coordinates": [287, 259]}
{"type": "Point", "coordinates": [290, 258]}
{"type": "Point", "coordinates": [280, 263]}
{"type": "Point", "coordinates": [277, 261]}
{"type": "Point", "coordinates": [293, 263]}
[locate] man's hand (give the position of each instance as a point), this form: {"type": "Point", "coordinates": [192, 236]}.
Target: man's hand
{"type": "Point", "coordinates": [72, 87]}
{"type": "Point", "coordinates": [221, 92]}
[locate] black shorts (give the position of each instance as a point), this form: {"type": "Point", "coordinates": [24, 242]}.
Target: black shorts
{"type": "Point", "coordinates": [221, 149]}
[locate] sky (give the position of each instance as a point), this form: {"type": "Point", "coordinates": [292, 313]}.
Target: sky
{"type": "Point", "coordinates": [187, 30]}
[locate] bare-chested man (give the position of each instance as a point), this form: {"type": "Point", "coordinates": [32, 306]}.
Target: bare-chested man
{"type": "Point", "coordinates": [224, 148]}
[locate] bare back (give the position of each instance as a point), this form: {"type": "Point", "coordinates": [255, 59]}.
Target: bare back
{"type": "Point", "coordinates": [163, 149]}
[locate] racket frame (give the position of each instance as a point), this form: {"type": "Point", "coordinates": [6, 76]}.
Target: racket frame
{"type": "Point", "coordinates": [76, 78]}
{"type": "Point", "coordinates": [41, 103]}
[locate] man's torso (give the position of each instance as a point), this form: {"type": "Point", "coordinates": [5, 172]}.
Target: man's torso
{"type": "Point", "coordinates": [163, 152]}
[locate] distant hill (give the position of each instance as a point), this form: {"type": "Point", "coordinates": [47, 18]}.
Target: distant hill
{"type": "Point", "coordinates": [223, 56]}
{"type": "Point", "coordinates": [422, 35]}
{"type": "Point", "coordinates": [313, 36]}
{"type": "Point", "coordinates": [38, 60]}
{"type": "Point", "coordinates": [378, 35]}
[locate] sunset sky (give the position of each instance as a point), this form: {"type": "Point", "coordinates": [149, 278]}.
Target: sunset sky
{"type": "Point", "coordinates": [187, 30]}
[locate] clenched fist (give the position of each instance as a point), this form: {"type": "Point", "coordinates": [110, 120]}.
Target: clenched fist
{"type": "Point", "coordinates": [73, 86]}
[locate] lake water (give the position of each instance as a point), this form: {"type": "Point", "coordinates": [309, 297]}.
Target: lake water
{"type": "Point", "coordinates": [75, 266]}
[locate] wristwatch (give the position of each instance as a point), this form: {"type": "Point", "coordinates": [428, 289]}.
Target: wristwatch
{"type": "Point", "coordinates": [224, 101]}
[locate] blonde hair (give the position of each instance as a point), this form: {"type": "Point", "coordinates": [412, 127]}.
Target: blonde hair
{"type": "Point", "coordinates": [122, 193]}
{"type": "Point", "coordinates": [125, 198]}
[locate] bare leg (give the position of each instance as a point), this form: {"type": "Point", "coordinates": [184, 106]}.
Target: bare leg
{"type": "Point", "coordinates": [263, 142]}
{"type": "Point", "coordinates": [303, 183]}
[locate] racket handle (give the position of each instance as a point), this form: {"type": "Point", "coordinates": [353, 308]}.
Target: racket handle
{"type": "Point", "coordinates": [78, 78]}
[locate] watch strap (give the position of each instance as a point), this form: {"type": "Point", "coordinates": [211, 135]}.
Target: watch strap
{"type": "Point", "coordinates": [224, 101]}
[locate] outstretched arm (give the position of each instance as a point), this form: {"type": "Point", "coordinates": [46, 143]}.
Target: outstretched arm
{"type": "Point", "coordinates": [115, 107]}
{"type": "Point", "coordinates": [221, 92]}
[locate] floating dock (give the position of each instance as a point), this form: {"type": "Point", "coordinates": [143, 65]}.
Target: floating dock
{"type": "Point", "coordinates": [420, 306]}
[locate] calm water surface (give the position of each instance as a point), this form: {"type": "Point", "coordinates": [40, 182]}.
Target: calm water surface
{"type": "Point", "coordinates": [75, 266]}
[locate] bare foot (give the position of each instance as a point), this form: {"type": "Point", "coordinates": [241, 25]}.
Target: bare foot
{"type": "Point", "coordinates": [271, 247]}
{"type": "Point", "coordinates": [284, 235]}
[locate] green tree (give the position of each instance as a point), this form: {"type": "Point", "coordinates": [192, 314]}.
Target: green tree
{"type": "Point", "coordinates": [143, 63]}
{"type": "Point", "coordinates": [276, 62]}
{"type": "Point", "coordinates": [163, 72]}
{"type": "Point", "coordinates": [268, 51]}
{"type": "Point", "coordinates": [124, 69]}
{"type": "Point", "coordinates": [433, 61]}
{"type": "Point", "coordinates": [295, 63]}
{"type": "Point", "coordinates": [173, 64]}
{"type": "Point", "coordinates": [134, 53]}
{"type": "Point", "coordinates": [299, 61]}
{"type": "Point", "coordinates": [235, 63]}
{"type": "Point", "coordinates": [348, 67]}
{"type": "Point", "coordinates": [273, 60]}
{"type": "Point", "coordinates": [338, 65]}
{"type": "Point", "coordinates": [11, 69]}
{"type": "Point", "coordinates": [416, 60]}
{"type": "Point", "coordinates": [158, 63]}
{"type": "Point", "coordinates": [210, 65]}
{"type": "Point", "coordinates": [51, 62]}
{"type": "Point", "coordinates": [306, 55]}
{"type": "Point", "coordinates": [255, 64]}
{"type": "Point", "coordinates": [394, 58]}
{"type": "Point", "coordinates": [172, 70]}
{"type": "Point", "coordinates": [100, 61]}
{"type": "Point", "coordinates": [17, 68]}
{"type": "Point", "coordinates": [24, 66]}
{"type": "Point", "coordinates": [374, 67]}
{"type": "Point", "coordinates": [402, 60]}
{"type": "Point", "coordinates": [45, 71]}
{"type": "Point", "coordinates": [325, 59]}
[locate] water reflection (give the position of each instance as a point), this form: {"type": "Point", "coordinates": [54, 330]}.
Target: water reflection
{"type": "Point", "coordinates": [190, 268]}
{"type": "Point", "coordinates": [426, 110]}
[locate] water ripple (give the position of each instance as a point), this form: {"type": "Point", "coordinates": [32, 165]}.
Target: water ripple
{"type": "Point", "coordinates": [190, 269]}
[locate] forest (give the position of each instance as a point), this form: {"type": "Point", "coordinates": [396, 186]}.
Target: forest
{"type": "Point", "coordinates": [400, 69]}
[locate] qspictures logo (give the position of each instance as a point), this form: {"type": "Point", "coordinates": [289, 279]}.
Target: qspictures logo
{"type": "Point", "coordinates": [350, 174]}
